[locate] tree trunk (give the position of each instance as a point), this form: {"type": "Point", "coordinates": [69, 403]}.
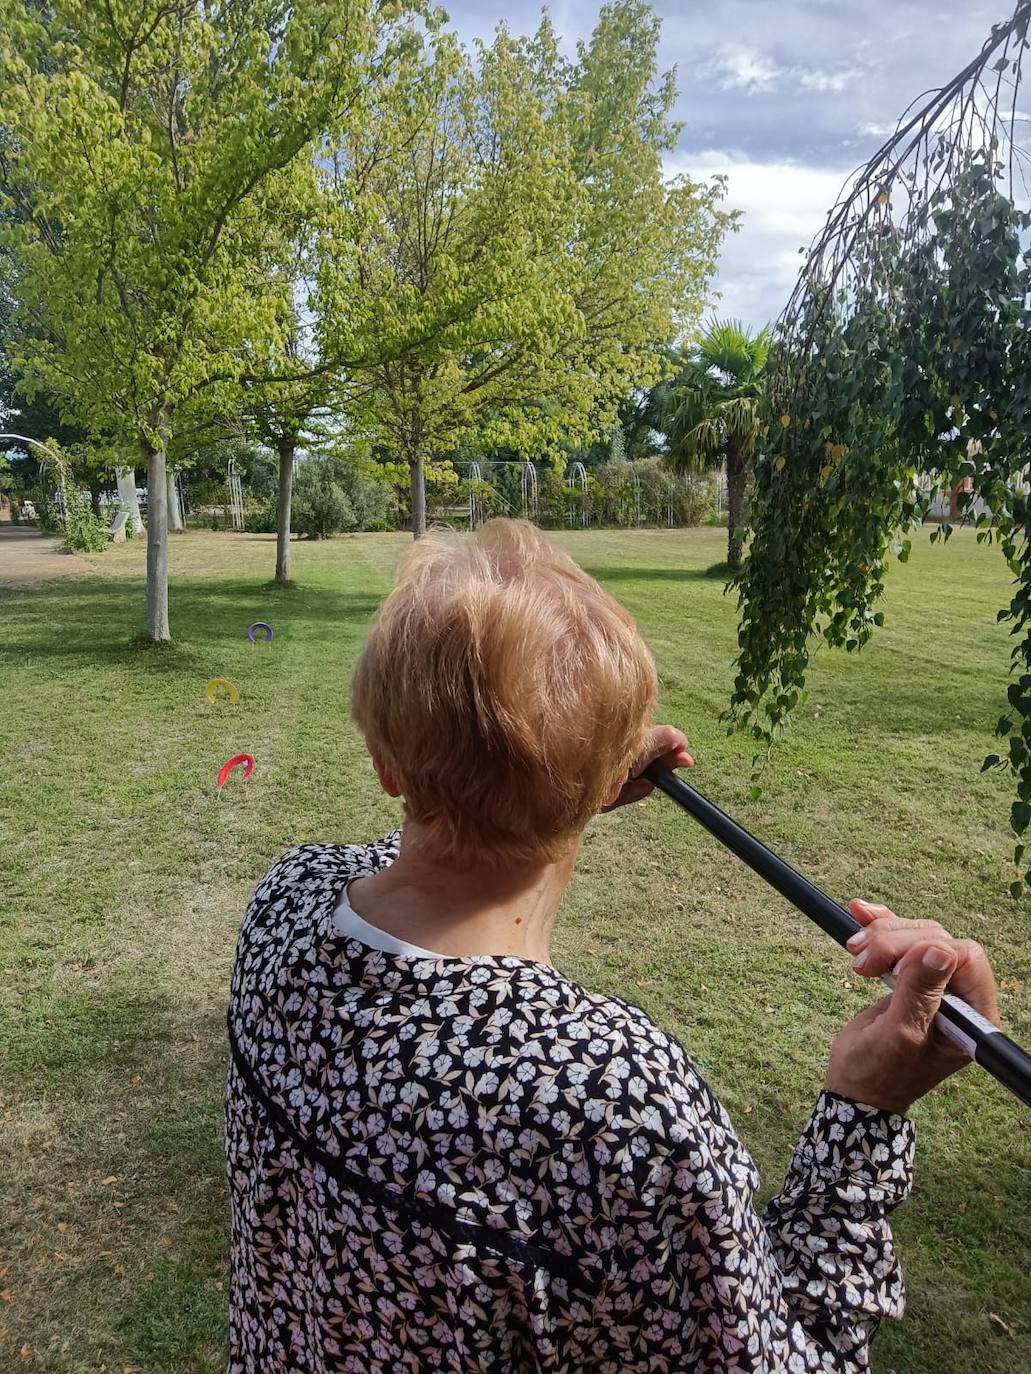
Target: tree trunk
{"type": "Point", "coordinates": [286, 449]}
{"type": "Point", "coordinates": [175, 512]}
{"type": "Point", "coordinates": [735, 507]}
{"type": "Point", "coordinates": [127, 495]}
{"type": "Point", "coordinates": [157, 544]}
{"type": "Point", "coordinates": [94, 500]}
{"type": "Point", "coordinates": [418, 479]}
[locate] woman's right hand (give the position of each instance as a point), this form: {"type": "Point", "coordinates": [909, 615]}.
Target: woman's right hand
{"type": "Point", "coordinates": [891, 1054]}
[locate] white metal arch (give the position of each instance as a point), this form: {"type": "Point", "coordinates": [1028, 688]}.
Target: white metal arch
{"type": "Point", "coordinates": [476, 511]}
{"type": "Point", "coordinates": [235, 493]}
{"type": "Point", "coordinates": [528, 490]}
{"type": "Point", "coordinates": [24, 439]}
{"type": "Point", "coordinates": [635, 477]}
{"type": "Point", "coordinates": [576, 476]}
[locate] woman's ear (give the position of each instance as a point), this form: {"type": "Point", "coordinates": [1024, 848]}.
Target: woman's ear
{"type": "Point", "coordinates": [613, 795]}
{"type": "Point", "coordinates": [388, 784]}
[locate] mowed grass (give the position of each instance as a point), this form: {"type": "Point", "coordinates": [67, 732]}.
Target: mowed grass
{"type": "Point", "coordinates": [125, 876]}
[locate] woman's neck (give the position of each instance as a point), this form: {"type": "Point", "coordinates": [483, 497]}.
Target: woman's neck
{"type": "Point", "coordinates": [474, 909]}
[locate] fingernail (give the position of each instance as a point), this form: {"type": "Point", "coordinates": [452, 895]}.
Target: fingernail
{"type": "Point", "coordinates": [860, 961]}
{"type": "Point", "coordinates": [938, 959]}
{"type": "Point", "coordinates": [857, 941]}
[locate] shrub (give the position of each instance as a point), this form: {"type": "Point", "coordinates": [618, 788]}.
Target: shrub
{"type": "Point", "coordinates": [332, 494]}
{"type": "Point", "coordinates": [48, 512]}
{"type": "Point", "coordinates": [84, 532]}
{"type": "Point", "coordinates": [371, 498]}
{"type": "Point", "coordinates": [320, 505]}
{"type": "Point", "coordinates": [259, 517]}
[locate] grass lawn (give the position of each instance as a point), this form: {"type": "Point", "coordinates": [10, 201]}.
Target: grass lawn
{"type": "Point", "coordinates": [125, 876]}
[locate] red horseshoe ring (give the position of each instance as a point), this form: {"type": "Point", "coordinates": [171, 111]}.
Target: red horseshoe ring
{"type": "Point", "coordinates": [235, 762]}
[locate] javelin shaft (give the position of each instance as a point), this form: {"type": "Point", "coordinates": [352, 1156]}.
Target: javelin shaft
{"type": "Point", "coordinates": [985, 1043]}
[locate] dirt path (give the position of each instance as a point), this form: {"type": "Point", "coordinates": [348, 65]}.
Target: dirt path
{"type": "Point", "coordinates": [26, 557]}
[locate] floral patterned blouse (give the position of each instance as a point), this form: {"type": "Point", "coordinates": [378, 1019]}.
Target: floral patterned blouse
{"type": "Point", "coordinates": [473, 1164]}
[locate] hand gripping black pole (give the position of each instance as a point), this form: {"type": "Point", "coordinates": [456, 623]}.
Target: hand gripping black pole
{"type": "Point", "coordinates": [985, 1043]}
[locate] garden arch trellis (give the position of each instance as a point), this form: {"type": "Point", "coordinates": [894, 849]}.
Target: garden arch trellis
{"type": "Point", "coordinates": [478, 473]}
{"type": "Point", "coordinates": [53, 457]}
{"type": "Point", "coordinates": [528, 490]}
{"type": "Point", "coordinates": [576, 477]}
{"type": "Point", "coordinates": [898, 373]}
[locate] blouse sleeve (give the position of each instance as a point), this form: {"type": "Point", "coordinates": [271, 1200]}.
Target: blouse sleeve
{"type": "Point", "coordinates": [804, 1287]}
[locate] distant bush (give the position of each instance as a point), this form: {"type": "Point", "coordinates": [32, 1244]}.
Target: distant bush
{"type": "Point", "coordinates": [259, 517]}
{"type": "Point", "coordinates": [371, 498]}
{"type": "Point", "coordinates": [332, 495]}
{"type": "Point", "coordinates": [84, 532]}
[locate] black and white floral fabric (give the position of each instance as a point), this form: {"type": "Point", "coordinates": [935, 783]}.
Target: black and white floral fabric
{"type": "Point", "coordinates": [473, 1164]}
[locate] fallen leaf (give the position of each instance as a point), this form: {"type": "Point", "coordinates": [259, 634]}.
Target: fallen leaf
{"type": "Point", "coordinates": [106, 1182]}
{"type": "Point", "coordinates": [1005, 1326]}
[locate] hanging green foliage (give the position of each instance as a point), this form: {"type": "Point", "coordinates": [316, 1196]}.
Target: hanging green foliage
{"type": "Point", "coordinates": [900, 371]}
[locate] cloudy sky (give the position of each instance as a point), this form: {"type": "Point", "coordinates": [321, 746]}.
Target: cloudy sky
{"type": "Point", "coordinates": [784, 96]}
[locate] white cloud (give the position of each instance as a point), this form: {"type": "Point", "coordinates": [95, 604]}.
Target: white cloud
{"type": "Point", "coordinates": [746, 69]}
{"type": "Point", "coordinates": [871, 128]}
{"type": "Point", "coordinates": [738, 66]}
{"type": "Point", "coordinates": [833, 82]}
{"type": "Point", "coordinates": [785, 204]}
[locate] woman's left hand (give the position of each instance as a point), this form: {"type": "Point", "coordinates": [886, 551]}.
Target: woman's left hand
{"type": "Point", "coordinates": [667, 745]}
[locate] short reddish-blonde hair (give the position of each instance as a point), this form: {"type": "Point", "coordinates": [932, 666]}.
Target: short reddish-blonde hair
{"type": "Point", "coordinates": [504, 691]}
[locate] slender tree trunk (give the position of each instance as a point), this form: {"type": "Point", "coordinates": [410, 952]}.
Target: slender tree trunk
{"type": "Point", "coordinates": [175, 511]}
{"type": "Point", "coordinates": [418, 476]}
{"type": "Point", "coordinates": [735, 507]}
{"type": "Point", "coordinates": [286, 449]}
{"type": "Point", "coordinates": [127, 495]}
{"type": "Point", "coordinates": [94, 500]}
{"type": "Point", "coordinates": [157, 543]}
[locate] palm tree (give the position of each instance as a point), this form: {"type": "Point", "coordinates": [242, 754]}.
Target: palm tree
{"type": "Point", "coordinates": [709, 412]}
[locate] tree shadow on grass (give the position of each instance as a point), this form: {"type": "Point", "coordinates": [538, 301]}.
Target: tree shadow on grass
{"type": "Point", "coordinates": [627, 572]}
{"type": "Point", "coordinates": [93, 621]}
{"type": "Point", "coordinates": [64, 1040]}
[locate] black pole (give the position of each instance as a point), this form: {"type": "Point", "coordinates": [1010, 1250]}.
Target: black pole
{"type": "Point", "coordinates": [985, 1043]}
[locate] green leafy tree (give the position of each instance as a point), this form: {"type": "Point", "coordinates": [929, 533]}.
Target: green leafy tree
{"type": "Point", "coordinates": [520, 257]}
{"type": "Point", "coordinates": [159, 155]}
{"type": "Point", "coordinates": [710, 413]}
{"type": "Point", "coordinates": [899, 371]}
{"type": "Point", "coordinates": [287, 412]}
